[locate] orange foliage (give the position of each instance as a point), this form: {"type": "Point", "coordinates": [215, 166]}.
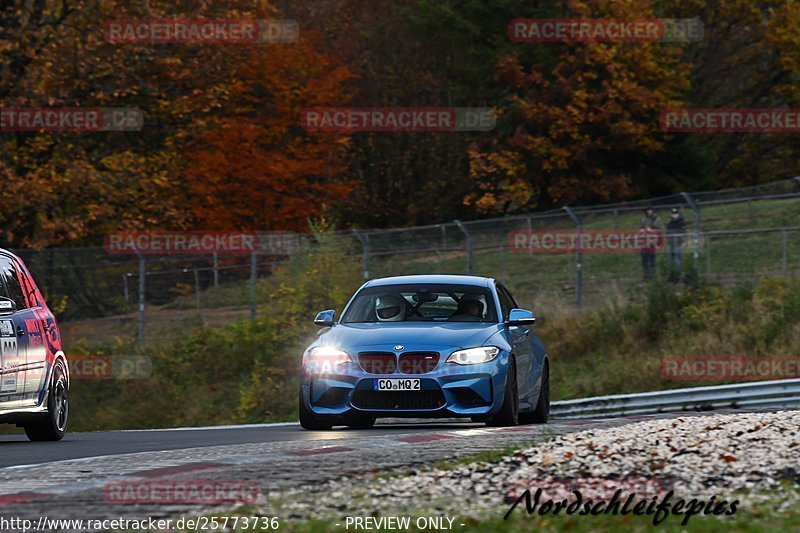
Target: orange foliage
{"type": "Point", "coordinates": [255, 167]}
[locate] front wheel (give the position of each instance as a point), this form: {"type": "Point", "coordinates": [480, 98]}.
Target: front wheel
{"type": "Point", "coordinates": [53, 425]}
{"type": "Point", "coordinates": [509, 411]}
{"type": "Point", "coordinates": [542, 411]}
{"type": "Point", "coordinates": [309, 420]}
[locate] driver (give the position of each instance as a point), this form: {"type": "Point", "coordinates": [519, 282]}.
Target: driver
{"type": "Point", "coordinates": [390, 308]}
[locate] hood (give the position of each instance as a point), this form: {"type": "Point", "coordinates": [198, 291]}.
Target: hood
{"type": "Point", "coordinates": [435, 336]}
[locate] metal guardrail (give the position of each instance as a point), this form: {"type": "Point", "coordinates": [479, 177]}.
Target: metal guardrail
{"type": "Point", "coordinates": [778, 394]}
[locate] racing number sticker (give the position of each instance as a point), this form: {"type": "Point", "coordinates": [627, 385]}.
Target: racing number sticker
{"type": "Point", "coordinates": [9, 358]}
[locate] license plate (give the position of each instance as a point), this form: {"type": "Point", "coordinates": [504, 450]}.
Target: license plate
{"type": "Point", "coordinates": [397, 384]}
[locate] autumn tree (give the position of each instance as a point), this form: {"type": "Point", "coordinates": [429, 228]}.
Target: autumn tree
{"type": "Point", "coordinates": [749, 57]}
{"type": "Point", "coordinates": [221, 146]}
{"type": "Point", "coordinates": [579, 122]}
{"type": "Point", "coordinates": [253, 165]}
{"type": "Point", "coordinates": [412, 54]}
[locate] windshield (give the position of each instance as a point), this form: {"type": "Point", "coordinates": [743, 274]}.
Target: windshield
{"type": "Point", "coordinates": [422, 303]}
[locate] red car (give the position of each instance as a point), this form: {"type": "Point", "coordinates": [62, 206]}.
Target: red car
{"type": "Point", "coordinates": [34, 376]}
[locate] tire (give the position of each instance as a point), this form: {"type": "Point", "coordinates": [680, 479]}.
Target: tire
{"type": "Point", "coordinates": [53, 425]}
{"type": "Point", "coordinates": [542, 411]}
{"type": "Point", "coordinates": [359, 421]}
{"type": "Point", "coordinates": [509, 411]}
{"type": "Point", "coordinates": [309, 420]}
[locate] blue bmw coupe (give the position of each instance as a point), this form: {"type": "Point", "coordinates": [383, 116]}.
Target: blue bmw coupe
{"type": "Point", "coordinates": [426, 347]}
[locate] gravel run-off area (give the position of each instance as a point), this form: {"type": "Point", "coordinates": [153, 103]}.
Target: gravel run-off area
{"type": "Point", "coordinates": [732, 456]}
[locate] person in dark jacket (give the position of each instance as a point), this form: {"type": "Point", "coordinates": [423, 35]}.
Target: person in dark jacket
{"type": "Point", "coordinates": [676, 235]}
{"type": "Point", "coordinates": [650, 223]}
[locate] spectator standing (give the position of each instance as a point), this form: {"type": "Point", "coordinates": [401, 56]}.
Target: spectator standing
{"type": "Point", "coordinates": [676, 236]}
{"type": "Point", "coordinates": [650, 223]}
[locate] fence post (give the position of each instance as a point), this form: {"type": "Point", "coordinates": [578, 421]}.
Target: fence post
{"type": "Point", "coordinates": [697, 230]}
{"type": "Point", "coordinates": [441, 248]}
{"type": "Point", "coordinates": [578, 257]}
{"type": "Point", "coordinates": [708, 255]}
{"type": "Point", "coordinates": [364, 240]}
{"type": "Point", "coordinates": [253, 284]}
{"type": "Point", "coordinates": [503, 261]}
{"type": "Point", "coordinates": [469, 245]}
{"type": "Point", "coordinates": [197, 289]}
{"type": "Point", "coordinates": [127, 294]}
{"type": "Point", "coordinates": [530, 232]}
{"type": "Point", "coordinates": [785, 253]}
{"type": "Point", "coordinates": [216, 270]}
{"type": "Point", "coordinates": [142, 274]}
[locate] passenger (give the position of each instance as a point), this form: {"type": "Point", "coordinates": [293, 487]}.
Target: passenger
{"type": "Point", "coordinates": [469, 310]}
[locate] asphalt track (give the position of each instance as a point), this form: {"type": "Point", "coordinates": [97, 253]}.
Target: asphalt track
{"type": "Point", "coordinates": [16, 450]}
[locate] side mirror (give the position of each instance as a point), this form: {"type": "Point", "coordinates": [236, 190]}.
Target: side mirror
{"type": "Point", "coordinates": [520, 317]}
{"type": "Point", "coordinates": [325, 318]}
{"type": "Point", "coordinates": [7, 306]}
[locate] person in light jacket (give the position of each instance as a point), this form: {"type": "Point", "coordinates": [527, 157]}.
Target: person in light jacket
{"type": "Point", "coordinates": [676, 236]}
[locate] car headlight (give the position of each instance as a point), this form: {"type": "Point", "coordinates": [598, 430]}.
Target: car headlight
{"type": "Point", "coordinates": [324, 359]}
{"type": "Point", "coordinates": [474, 356]}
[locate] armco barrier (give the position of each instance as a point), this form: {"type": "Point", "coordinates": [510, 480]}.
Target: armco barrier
{"type": "Point", "coordinates": [779, 394]}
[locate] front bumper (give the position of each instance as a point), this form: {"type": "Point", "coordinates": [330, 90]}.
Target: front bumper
{"type": "Point", "coordinates": [474, 391]}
